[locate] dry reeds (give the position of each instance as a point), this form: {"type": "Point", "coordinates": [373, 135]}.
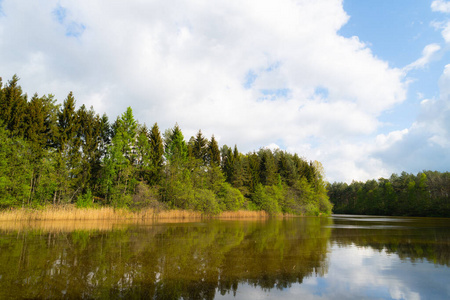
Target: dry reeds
{"type": "Point", "coordinates": [108, 213]}
{"type": "Point", "coordinates": [103, 213]}
{"type": "Point", "coordinates": [243, 214]}
{"type": "Point", "coordinates": [65, 213]}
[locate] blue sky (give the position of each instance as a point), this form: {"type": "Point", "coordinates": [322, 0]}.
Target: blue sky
{"type": "Point", "coordinates": [361, 86]}
{"type": "Point", "coordinates": [397, 32]}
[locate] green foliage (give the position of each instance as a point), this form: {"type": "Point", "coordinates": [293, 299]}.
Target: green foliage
{"type": "Point", "coordinates": [213, 153]}
{"type": "Point", "coordinates": [15, 174]}
{"type": "Point", "coordinates": [424, 194]}
{"type": "Point", "coordinates": [157, 155]}
{"type": "Point", "coordinates": [266, 199]}
{"type": "Point", "coordinates": [176, 150]}
{"type": "Point", "coordinates": [205, 200]}
{"type": "Point", "coordinates": [230, 198]}
{"type": "Point", "coordinates": [85, 200]}
{"type": "Point", "coordinates": [57, 154]}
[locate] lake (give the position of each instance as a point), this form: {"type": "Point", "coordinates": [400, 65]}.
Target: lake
{"type": "Point", "coordinates": [338, 257]}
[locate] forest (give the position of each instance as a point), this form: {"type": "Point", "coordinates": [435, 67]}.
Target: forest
{"type": "Point", "coordinates": [57, 154]}
{"type": "Point", "coordinates": [426, 194]}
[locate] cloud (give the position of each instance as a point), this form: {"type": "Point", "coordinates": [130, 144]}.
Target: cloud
{"type": "Point", "coordinates": [424, 146]}
{"type": "Point", "coordinates": [428, 54]}
{"type": "Point", "coordinates": [440, 6]}
{"type": "Point", "coordinates": [251, 73]}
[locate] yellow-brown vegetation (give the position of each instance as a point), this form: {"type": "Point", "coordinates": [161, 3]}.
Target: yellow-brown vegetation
{"type": "Point", "coordinates": [66, 213]}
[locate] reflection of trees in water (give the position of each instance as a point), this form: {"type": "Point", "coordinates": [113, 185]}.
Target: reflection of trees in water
{"type": "Point", "coordinates": [416, 239]}
{"type": "Point", "coordinates": [162, 261]}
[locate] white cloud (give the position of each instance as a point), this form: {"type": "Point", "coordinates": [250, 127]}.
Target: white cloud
{"type": "Point", "coordinates": [424, 146]}
{"type": "Point", "coordinates": [427, 55]}
{"type": "Point", "coordinates": [189, 62]}
{"type": "Point", "coordinates": [441, 6]}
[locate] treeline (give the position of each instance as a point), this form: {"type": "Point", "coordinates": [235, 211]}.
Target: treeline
{"type": "Point", "coordinates": [426, 194]}
{"type": "Point", "coordinates": [57, 154]}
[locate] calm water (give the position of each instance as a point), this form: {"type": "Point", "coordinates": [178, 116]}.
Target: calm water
{"type": "Point", "coordinates": [342, 257]}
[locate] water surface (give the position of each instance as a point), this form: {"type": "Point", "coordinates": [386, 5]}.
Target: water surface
{"type": "Point", "coordinates": [341, 257]}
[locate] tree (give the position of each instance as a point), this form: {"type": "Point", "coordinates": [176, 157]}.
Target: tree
{"type": "Point", "coordinates": [68, 146]}
{"type": "Point", "coordinates": [176, 150]}
{"type": "Point", "coordinates": [15, 173]}
{"type": "Point", "coordinates": [13, 104]}
{"type": "Point", "coordinates": [267, 167]}
{"type": "Point", "coordinates": [119, 162]}
{"type": "Point", "coordinates": [213, 152]}
{"type": "Point", "coordinates": [157, 154]}
{"type": "Point", "coordinates": [199, 147]}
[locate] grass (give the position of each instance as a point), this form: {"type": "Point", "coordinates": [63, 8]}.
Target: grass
{"type": "Point", "coordinates": [66, 213]}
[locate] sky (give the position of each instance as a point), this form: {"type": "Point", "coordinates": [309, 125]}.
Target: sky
{"type": "Point", "coordinates": [361, 86]}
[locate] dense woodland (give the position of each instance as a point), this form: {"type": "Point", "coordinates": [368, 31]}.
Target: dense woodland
{"type": "Point", "coordinates": [424, 194]}
{"type": "Point", "coordinates": [53, 154]}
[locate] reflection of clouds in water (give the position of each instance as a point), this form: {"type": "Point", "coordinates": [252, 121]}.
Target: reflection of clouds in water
{"type": "Point", "coordinates": [362, 273]}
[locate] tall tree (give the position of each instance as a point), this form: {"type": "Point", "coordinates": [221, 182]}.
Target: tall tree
{"type": "Point", "coordinates": [157, 154]}
{"type": "Point", "coordinates": [68, 146]}
{"type": "Point", "coordinates": [13, 104]}
{"type": "Point", "coordinates": [213, 153]}
{"type": "Point", "coordinates": [118, 174]}
{"type": "Point", "coordinates": [199, 146]}
{"type": "Point", "coordinates": [176, 149]}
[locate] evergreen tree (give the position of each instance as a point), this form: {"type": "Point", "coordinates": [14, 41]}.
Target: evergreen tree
{"type": "Point", "coordinates": [13, 104]}
{"type": "Point", "coordinates": [176, 150]}
{"type": "Point", "coordinates": [213, 153]}
{"type": "Point", "coordinates": [199, 147]}
{"type": "Point", "coordinates": [157, 154]}
{"type": "Point", "coordinates": [68, 146]}
{"type": "Point", "coordinates": [267, 167]}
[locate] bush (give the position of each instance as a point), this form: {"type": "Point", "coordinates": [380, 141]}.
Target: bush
{"type": "Point", "coordinates": [264, 200]}
{"type": "Point", "coordinates": [230, 198]}
{"type": "Point", "coordinates": [85, 200]}
{"type": "Point", "coordinates": [146, 197]}
{"type": "Point", "coordinates": [205, 201]}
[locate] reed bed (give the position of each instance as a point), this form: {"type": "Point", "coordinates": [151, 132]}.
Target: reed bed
{"type": "Point", "coordinates": [243, 214]}
{"type": "Point", "coordinates": [71, 213]}
{"type": "Point", "coordinates": [65, 213]}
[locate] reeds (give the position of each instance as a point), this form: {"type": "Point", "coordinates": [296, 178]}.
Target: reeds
{"type": "Point", "coordinates": [65, 213]}
{"type": "Point", "coordinates": [243, 214]}
{"type": "Point", "coordinates": [109, 213]}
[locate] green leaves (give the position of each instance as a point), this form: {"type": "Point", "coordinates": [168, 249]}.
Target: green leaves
{"type": "Point", "coordinates": [58, 154]}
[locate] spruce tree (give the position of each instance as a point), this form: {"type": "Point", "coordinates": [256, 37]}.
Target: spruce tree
{"type": "Point", "coordinates": [157, 154]}
{"type": "Point", "coordinates": [213, 152]}
{"type": "Point", "coordinates": [13, 106]}
{"type": "Point", "coordinates": [199, 147]}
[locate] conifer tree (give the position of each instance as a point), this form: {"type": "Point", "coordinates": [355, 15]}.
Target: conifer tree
{"type": "Point", "coordinates": [213, 152]}
{"type": "Point", "coordinates": [13, 106]}
{"type": "Point", "coordinates": [157, 154]}
{"type": "Point", "coordinates": [68, 145]}
{"type": "Point", "coordinates": [199, 146]}
{"type": "Point", "coordinates": [176, 149]}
